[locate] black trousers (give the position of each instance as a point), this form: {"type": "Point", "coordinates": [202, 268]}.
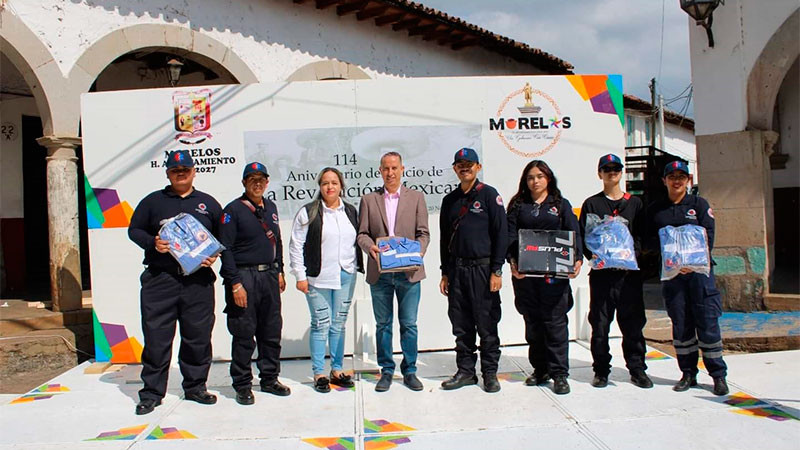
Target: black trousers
{"type": "Point", "coordinates": [694, 305]}
{"type": "Point", "coordinates": [544, 303]}
{"type": "Point", "coordinates": [257, 325]}
{"type": "Point", "coordinates": [617, 291]}
{"type": "Point", "coordinates": [167, 298]}
{"type": "Point", "coordinates": [472, 308]}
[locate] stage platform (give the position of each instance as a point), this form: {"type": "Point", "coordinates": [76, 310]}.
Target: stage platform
{"type": "Point", "coordinates": [75, 410]}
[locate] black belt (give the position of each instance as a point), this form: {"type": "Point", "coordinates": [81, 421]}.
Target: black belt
{"type": "Point", "coordinates": [258, 267]}
{"type": "Point", "coordinates": [469, 262]}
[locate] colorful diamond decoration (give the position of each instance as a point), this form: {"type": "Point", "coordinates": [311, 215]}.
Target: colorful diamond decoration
{"type": "Point", "coordinates": [384, 426]}
{"type": "Point", "coordinates": [384, 442]}
{"type": "Point", "coordinates": [111, 343]}
{"type": "Point", "coordinates": [104, 208]}
{"type": "Point", "coordinates": [170, 433]}
{"type": "Point", "coordinates": [332, 443]}
{"type": "Point", "coordinates": [604, 92]}
{"type": "Point", "coordinates": [750, 406]}
{"type": "Point", "coordinates": [655, 355]}
{"type": "Point", "coordinates": [123, 434]}
{"type": "Point", "coordinates": [43, 392]}
{"type": "Point", "coordinates": [513, 377]}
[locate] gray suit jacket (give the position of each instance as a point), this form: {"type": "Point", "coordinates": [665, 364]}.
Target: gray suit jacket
{"type": "Point", "coordinates": [411, 222]}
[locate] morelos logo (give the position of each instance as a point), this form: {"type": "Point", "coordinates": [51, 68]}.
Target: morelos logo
{"type": "Point", "coordinates": [192, 115]}
{"type": "Point", "coordinates": [533, 128]}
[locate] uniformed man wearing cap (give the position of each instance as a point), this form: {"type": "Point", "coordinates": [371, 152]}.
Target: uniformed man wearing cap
{"type": "Point", "coordinates": [616, 291]}
{"type": "Point", "coordinates": [252, 269]}
{"type": "Point", "coordinates": [693, 302]}
{"type": "Point", "coordinates": [473, 242]}
{"type": "Point", "coordinates": [167, 295]}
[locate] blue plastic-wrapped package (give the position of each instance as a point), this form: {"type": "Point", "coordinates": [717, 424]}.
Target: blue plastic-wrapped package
{"type": "Point", "coordinates": [684, 247]}
{"type": "Point", "coordinates": [190, 243]}
{"type": "Point", "coordinates": [611, 242]}
{"type": "Point", "coordinates": [399, 254]}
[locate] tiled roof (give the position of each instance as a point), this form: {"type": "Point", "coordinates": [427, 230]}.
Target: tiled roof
{"type": "Point", "coordinates": [637, 104]}
{"type": "Point", "coordinates": [442, 29]}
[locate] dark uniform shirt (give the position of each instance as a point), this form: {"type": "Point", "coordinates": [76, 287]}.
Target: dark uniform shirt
{"type": "Point", "coordinates": [692, 209]}
{"type": "Point", "coordinates": [541, 216]}
{"type": "Point", "coordinates": [629, 207]}
{"type": "Point", "coordinates": [246, 240]}
{"type": "Point", "coordinates": [481, 230]}
{"type": "Point", "coordinates": [164, 204]}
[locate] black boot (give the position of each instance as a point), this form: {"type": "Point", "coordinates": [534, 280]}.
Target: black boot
{"type": "Point", "coordinates": [685, 383]}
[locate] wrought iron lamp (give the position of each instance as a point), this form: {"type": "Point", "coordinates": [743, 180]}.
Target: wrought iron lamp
{"type": "Point", "coordinates": [174, 66]}
{"type": "Point", "coordinates": [702, 12]}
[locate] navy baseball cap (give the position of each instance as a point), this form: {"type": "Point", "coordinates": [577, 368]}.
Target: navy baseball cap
{"type": "Point", "coordinates": [179, 158]}
{"type": "Point", "coordinates": [254, 167]}
{"type": "Point", "coordinates": [609, 159]}
{"type": "Point", "coordinates": [466, 154]}
{"type": "Point", "coordinates": [676, 165]}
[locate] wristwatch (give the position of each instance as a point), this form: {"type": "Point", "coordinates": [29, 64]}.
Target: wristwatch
{"type": "Point", "coordinates": [498, 272]}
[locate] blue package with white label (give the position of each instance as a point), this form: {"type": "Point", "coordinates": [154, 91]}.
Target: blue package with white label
{"type": "Point", "coordinates": [610, 242]}
{"type": "Point", "coordinates": [684, 247]}
{"type": "Point", "coordinates": [399, 254]}
{"type": "Point", "coordinates": [190, 243]}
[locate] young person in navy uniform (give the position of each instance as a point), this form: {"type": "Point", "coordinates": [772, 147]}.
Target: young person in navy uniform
{"type": "Point", "coordinates": [543, 302]}
{"type": "Point", "coordinates": [616, 290]}
{"type": "Point", "coordinates": [252, 269]}
{"type": "Point", "coordinates": [168, 296]}
{"type": "Point", "coordinates": [473, 244]}
{"type": "Point", "coordinates": [693, 302]}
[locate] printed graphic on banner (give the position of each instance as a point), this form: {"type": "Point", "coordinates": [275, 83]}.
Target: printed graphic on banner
{"type": "Point", "coordinates": [192, 115]}
{"type": "Point", "coordinates": [294, 159]}
{"type": "Point", "coordinates": [529, 122]}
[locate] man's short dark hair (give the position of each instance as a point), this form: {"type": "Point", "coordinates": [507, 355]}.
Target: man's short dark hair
{"type": "Point", "coordinates": [392, 154]}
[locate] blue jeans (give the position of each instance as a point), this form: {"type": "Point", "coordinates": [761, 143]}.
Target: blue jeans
{"type": "Point", "coordinates": [329, 308]}
{"type": "Point", "coordinates": [383, 292]}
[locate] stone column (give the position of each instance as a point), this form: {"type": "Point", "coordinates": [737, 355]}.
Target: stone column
{"type": "Point", "coordinates": [63, 224]}
{"type": "Point", "coordinates": [736, 180]}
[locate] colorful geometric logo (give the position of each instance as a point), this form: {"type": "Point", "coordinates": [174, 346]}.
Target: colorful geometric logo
{"type": "Point", "coordinates": [655, 355]}
{"type": "Point", "coordinates": [513, 377]}
{"type": "Point", "coordinates": [384, 426]}
{"type": "Point", "coordinates": [103, 208]}
{"type": "Point", "coordinates": [123, 434]}
{"type": "Point", "coordinates": [370, 442]}
{"type": "Point", "coordinates": [332, 443]}
{"type": "Point", "coordinates": [43, 392]}
{"type": "Point", "coordinates": [603, 91]}
{"type": "Point", "coordinates": [384, 442]}
{"type": "Point", "coordinates": [751, 406]}
{"type": "Point", "coordinates": [111, 343]}
{"type": "Point", "coordinates": [170, 433]}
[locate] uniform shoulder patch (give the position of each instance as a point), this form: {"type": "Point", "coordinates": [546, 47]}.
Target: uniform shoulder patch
{"type": "Point", "coordinates": [711, 213]}
{"type": "Point", "coordinates": [499, 200]}
{"type": "Point", "coordinates": [226, 218]}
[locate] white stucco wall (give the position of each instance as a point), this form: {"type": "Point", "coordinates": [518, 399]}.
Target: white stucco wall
{"type": "Point", "coordinates": [273, 37]}
{"type": "Point", "coordinates": [741, 30]}
{"type": "Point", "coordinates": [11, 112]}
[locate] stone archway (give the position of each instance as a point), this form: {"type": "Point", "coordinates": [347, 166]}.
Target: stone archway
{"type": "Point", "coordinates": [768, 73]}
{"type": "Point", "coordinates": [329, 69]}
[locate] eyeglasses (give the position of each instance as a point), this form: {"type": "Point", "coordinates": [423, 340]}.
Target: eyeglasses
{"type": "Point", "coordinates": [609, 169]}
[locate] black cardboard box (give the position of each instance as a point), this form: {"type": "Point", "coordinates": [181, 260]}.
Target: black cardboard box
{"type": "Point", "coordinates": [546, 253]}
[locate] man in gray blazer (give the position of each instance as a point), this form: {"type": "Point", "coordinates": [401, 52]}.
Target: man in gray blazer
{"type": "Point", "coordinates": [394, 210]}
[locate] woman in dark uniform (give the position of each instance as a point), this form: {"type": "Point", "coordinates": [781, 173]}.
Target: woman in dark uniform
{"type": "Point", "coordinates": [543, 302]}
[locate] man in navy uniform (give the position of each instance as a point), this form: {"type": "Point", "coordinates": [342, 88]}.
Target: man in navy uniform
{"type": "Point", "coordinates": [693, 302]}
{"type": "Point", "coordinates": [473, 242]}
{"type": "Point", "coordinates": [252, 267]}
{"type": "Point", "coordinates": [167, 295]}
{"type": "Point", "coordinates": [616, 290]}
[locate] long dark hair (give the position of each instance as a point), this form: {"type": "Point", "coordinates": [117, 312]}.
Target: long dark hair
{"type": "Point", "coordinates": [523, 194]}
{"type": "Point", "coordinates": [316, 204]}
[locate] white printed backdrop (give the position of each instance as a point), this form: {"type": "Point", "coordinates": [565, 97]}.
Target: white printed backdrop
{"type": "Point", "coordinates": [296, 129]}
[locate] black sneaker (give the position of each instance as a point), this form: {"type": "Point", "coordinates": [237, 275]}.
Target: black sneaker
{"type": "Point", "coordinates": [384, 383]}
{"type": "Point", "coordinates": [459, 380]}
{"type": "Point", "coordinates": [560, 385]}
{"type": "Point", "coordinates": [275, 388]}
{"type": "Point", "coordinates": [685, 383]}
{"type": "Point", "coordinates": [412, 382]}
{"type": "Point", "coordinates": [202, 397]}
{"type": "Point", "coordinates": [146, 406]}
{"type": "Point", "coordinates": [600, 381]}
{"type": "Point", "coordinates": [639, 378]}
{"type": "Point", "coordinates": [322, 385]}
{"type": "Point", "coordinates": [537, 378]}
{"type": "Point", "coordinates": [490, 383]}
{"type": "Point", "coordinates": [245, 397]}
{"type": "Point", "coordinates": [720, 386]}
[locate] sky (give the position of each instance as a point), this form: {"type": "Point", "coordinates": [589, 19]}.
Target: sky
{"type": "Point", "coordinates": [609, 36]}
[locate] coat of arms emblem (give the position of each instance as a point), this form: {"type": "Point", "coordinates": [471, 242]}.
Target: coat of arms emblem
{"type": "Point", "coordinates": [192, 115]}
